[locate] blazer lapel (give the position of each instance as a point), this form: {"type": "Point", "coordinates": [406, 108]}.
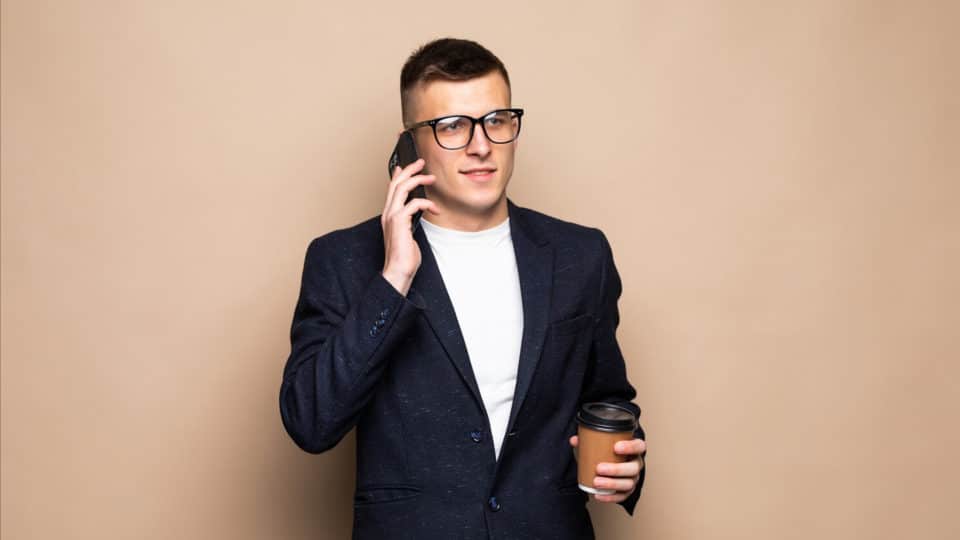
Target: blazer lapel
{"type": "Point", "coordinates": [534, 257]}
{"type": "Point", "coordinates": [439, 312]}
{"type": "Point", "coordinates": [535, 266]}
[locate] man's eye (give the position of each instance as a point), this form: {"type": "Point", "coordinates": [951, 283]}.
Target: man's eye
{"type": "Point", "coordinates": [452, 125]}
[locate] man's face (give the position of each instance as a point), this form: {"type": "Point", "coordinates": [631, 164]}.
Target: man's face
{"type": "Point", "coordinates": [454, 189]}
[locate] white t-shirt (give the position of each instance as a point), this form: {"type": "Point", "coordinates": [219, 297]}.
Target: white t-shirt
{"type": "Point", "coordinates": [479, 270]}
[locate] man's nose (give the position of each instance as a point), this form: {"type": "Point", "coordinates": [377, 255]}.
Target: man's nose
{"type": "Point", "coordinates": [479, 145]}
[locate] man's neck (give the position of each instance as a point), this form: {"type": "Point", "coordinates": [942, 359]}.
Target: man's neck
{"type": "Point", "coordinates": [459, 219]}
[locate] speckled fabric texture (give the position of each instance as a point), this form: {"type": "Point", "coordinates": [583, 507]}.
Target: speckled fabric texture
{"type": "Point", "coordinates": [396, 368]}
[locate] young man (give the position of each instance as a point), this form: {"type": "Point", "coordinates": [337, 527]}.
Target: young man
{"type": "Point", "coordinates": [460, 350]}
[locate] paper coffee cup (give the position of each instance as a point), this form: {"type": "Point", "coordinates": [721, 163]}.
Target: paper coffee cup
{"type": "Point", "coordinates": [599, 427]}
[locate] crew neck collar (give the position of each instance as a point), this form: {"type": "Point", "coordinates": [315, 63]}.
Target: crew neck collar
{"type": "Point", "coordinates": [453, 235]}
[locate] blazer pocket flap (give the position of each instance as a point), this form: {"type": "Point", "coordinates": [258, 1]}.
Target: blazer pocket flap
{"type": "Point", "coordinates": [384, 493]}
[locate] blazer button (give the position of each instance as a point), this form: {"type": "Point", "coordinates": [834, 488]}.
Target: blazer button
{"type": "Point", "coordinates": [384, 313]}
{"type": "Point", "coordinates": [373, 331]}
{"type": "Point", "coordinates": [380, 322]}
{"type": "Point", "coordinates": [476, 436]}
{"type": "Point", "coordinates": [494, 504]}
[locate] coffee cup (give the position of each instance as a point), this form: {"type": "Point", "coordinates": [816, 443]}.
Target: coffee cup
{"type": "Point", "coordinates": [599, 427]}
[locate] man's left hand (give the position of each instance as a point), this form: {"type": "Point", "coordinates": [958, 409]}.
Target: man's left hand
{"type": "Point", "coordinates": [622, 477]}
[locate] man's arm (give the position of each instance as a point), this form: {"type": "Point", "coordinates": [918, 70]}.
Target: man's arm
{"type": "Point", "coordinates": [606, 376]}
{"type": "Point", "coordinates": [338, 351]}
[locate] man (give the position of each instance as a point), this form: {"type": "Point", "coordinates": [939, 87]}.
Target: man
{"type": "Point", "coordinates": [460, 350]}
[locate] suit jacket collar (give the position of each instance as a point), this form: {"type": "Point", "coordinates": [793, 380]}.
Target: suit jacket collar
{"type": "Point", "coordinates": [534, 255]}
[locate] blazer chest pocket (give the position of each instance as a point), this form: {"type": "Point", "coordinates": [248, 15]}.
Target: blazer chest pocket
{"type": "Point", "coordinates": [570, 326]}
{"type": "Point", "coordinates": [562, 364]}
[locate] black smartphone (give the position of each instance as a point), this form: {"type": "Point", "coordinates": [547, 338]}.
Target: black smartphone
{"type": "Point", "coordinates": [405, 153]}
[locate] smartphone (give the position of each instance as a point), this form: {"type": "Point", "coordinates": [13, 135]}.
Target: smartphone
{"type": "Point", "coordinates": [405, 153]}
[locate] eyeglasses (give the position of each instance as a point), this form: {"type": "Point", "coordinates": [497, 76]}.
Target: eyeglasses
{"type": "Point", "coordinates": [456, 131]}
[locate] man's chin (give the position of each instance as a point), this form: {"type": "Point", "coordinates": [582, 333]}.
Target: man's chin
{"type": "Point", "coordinates": [469, 197]}
{"type": "Point", "coordinates": [480, 203]}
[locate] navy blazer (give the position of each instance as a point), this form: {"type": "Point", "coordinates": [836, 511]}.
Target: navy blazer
{"type": "Point", "coordinates": [396, 367]}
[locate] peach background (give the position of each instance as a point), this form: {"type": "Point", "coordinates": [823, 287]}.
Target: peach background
{"type": "Point", "coordinates": [779, 181]}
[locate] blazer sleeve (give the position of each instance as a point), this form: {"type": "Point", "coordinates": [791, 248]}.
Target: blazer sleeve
{"type": "Point", "coordinates": [339, 348]}
{"type": "Point", "coordinates": [606, 375]}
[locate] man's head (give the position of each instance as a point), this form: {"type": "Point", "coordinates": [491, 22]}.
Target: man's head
{"type": "Point", "coordinates": [459, 77]}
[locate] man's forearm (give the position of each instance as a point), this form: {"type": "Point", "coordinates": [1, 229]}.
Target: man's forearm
{"type": "Point", "coordinates": [337, 359]}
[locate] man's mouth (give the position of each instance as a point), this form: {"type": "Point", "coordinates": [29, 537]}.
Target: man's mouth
{"type": "Point", "coordinates": [480, 174]}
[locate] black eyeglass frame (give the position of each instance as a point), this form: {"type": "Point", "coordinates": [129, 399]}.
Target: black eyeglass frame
{"type": "Point", "coordinates": [473, 126]}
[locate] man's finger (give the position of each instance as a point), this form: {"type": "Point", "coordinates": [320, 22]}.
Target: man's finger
{"type": "Point", "coordinates": [633, 447]}
{"type": "Point", "coordinates": [619, 484]}
{"type": "Point", "coordinates": [402, 173]}
{"type": "Point", "coordinates": [393, 204]}
{"type": "Point", "coordinates": [419, 204]}
{"type": "Point", "coordinates": [404, 188]}
{"type": "Point", "coordinates": [630, 468]}
{"type": "Point", "coordinates": [615, 498]}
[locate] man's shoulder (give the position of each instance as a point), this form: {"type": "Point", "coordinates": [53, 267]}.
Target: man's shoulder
{"type": "Point", "coordinates": [560, 231]}
{"type": "Point", "coordinates": [553, 223]}
{"type": "Point", "coordinates": [358, 235]}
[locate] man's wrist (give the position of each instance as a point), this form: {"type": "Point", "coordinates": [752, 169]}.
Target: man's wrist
{"type": "Point", "coordinates": [399, 282]}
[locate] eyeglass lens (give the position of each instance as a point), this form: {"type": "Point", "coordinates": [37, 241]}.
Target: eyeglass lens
{"type": "Point", "coordinates": [454, 132]}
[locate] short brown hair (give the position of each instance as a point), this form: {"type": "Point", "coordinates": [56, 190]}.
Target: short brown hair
{"type": "Point", "coordinates": [450, 59]}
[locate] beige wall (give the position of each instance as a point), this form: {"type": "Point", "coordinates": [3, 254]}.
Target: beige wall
{"type": "Point", "coordinates": [779, 181]}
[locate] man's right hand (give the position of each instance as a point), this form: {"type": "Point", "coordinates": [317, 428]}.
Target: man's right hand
{"type": "Point", "coordinates": [401, 253]}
